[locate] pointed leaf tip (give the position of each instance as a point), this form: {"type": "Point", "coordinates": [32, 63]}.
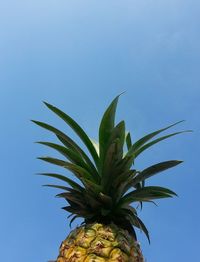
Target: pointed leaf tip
{"type": "Point", "coordinates": [47, 104]}
{"type": "Point", "coordinates": [77, 129]}
{"type": "Point", "coordinates": [33, 120]}
{"type": "Point", "coordinates": [122, 93]}
{"type": "Point", "coordinates": [106, 126]}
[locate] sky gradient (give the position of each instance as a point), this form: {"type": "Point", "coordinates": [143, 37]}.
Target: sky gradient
{"type": "Point", "coordinates": [78, 55]}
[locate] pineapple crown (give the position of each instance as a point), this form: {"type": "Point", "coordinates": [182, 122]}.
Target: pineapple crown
{"type": "Point", "coordinates": [109, 183]}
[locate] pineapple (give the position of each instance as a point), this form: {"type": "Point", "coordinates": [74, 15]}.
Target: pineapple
{"type": "Point", "coordinates": [107, 190]}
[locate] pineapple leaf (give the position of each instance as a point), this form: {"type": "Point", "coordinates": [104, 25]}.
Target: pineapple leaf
{"type": "Point", "coordinates": [73, 197]}
{"type": "Point", "coordinates": [54, 161]}
{"type": "Point", "coordinates": [78, 130]}
{"type": "Point", "coordinates": [128, 140]}
{"type": "Point", "coordinates": [135, 150]}
{"type": "Point", "coordinates": [78, 171]}
{"type": "Point", "coordinates": [92, 187]}
{"type": "Point", "coordinates": [140, 150]}
{"type": "Point", "coordinates": [131, 217]}
{"type": "Point", "coordinates": [71, 209]}
{"type": "Point", "coordinates": [136, 221]}
{"type": "Point", "coordinates": [145, 194]}
{"type": "Point", "coordinates": [92, 201]}
{"type": "Point", "coordinates": [67, 141]}
{"type": "Point", "coordinates": [153, 170]}
{"type": "Point", "coordinates": [130, 208]}
{"type": "Point", "coordinates": [76, 202]}
{"type": "Point", "coordinates": [123, 177]}
{"type": "Point", "coordinates": [105, 212]}
{"type": "Point", "coordinates": [125, 164]}
{"type": "Point", "coordinates": [113, 155]}
{"type": "Point", "coordinates": [131, 154]}
{"type": "Point", "coordinates": [70, 154]}
{"type": "Point", "coordinates": [106, 127]}
{"type": "Point", "coordinates": [58, 187]}
{"type": "Point", "coordinates": [143, 227]}
{"type": "Point", "coordinates": [75, 209]}
{"type": "Point", "coordinates": [65, 179]}
{"type": "Point", "coordinates": [107, 200]}
{"type": "Point", "coordinates": [126, 212]}
{"type": "Point", "coordinates": [109, 161]}
{"type": "Point", "coordinates": [146, 138]}
{"type": "Point", "coordinates": [121, 184]}
{"type": "Point", "coordinates": [72, 220]}
{"type": "Point", "coordinates": [95, 144]}
{"type": "Point", "coordinates": [118, 133]}
{"type": "Point", "coordinates": [122, 218]}
{"type": "Point", "coordinates": [149, 189]}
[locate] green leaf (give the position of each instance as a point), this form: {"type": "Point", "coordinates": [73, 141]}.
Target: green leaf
{"type": "Point", "coordinates": [135, 220]}
{"type": "Point", "coordinates": [78, 171]}
{"type": "Point", "coordinates": [130, 208]}
{"type": "Point", "coordinates": [136, 149]}
{"type": "Point", "coordinates": [70, 209]}
{"type": "Point", "coordinates": [58, 187]}
{"type": "Point", "coordinates": [128, 140]}
{"type": "Point", "coordinates": [145, 194]}
{"type": "Point", "coordinates": [108, 170]}
{"type": "Point", "coordinates": [106, 127]}
{"type": "Point", "coordinates": [65, 179]}
{"type": "Point", "coordinates": [105, 212]}
{"type": "Point", "coordinates": [70, 154]}
{"type": "Point", "coordinates": [107, 200]}
{"type": "Point", "coordinates": [159, 189]}
{"type": "Point", "coordinates": [110, 156]}
{"type": "Point", "coordinates": [121, 184]}
{"type": "Point", "coordinates": [77, 206]}
{"type": "Point", "coordinates": [76, 210]}
{"type": "Point", "coordinates": [126, 212]}
{"type": "Point", "coordinates": [72, 220]}
{"type": "Point", "coordinates": [124, 164]}
{"type": "Point", "coordinates": [140, 150]}
{"type": "Point", "coordinates": [68, 142]}
{"type": "Point", "coordinates": [54, 161]}
{"type": "Point", "coordinates": [118, 132]}
{"type": "Point", "coordinates": [78, 130]}
{"type": "Point", "coordinates": [75, 199]}
{"type": "Point", "coordinates": [153, 170]}
{"type": "Point", "coordinates": [123, 177]}
{"type": "Point", "coordinates": [92, 201]}
{"type": "Point", "coordinates": [146, 138]}
{"type": "Point", "coordinates": [143, 228]}
{"type": "Point", "coordinates": [92, 187]}
{"type": "Point", "coordinates": [95, 144]}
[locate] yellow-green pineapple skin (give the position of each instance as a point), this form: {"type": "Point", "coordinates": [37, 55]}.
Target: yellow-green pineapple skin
{"type": "Point", "coordinates": [99, 243]}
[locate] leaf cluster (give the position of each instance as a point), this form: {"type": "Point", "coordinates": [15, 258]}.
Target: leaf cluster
{"type": "Point", "coordinates": [108, 182]}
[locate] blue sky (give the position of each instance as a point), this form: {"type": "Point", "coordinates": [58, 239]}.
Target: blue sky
{"type": "Point", "coordinates": [79, 55]}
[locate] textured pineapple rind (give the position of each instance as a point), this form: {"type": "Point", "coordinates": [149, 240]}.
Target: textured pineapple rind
{"type": "Point", "coordinates": [99, 243]}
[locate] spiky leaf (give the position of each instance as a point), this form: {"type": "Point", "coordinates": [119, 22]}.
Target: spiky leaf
{"type": "Point", "coordinates": [65, 179]}
{"type": "Point", "coordinates": [153, 170]}
{"type": "Point", "coordinates": [68, 142]}
{"type": "Point", "coordinates": [77, 128]}
{"type": "Point", "coordinates": [106, 127]}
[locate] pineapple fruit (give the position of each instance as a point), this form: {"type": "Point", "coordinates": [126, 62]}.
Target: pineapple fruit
{"type": "Point", "coordinates": [99, 242]}
{"type": "Point", "coordinates": [109, 190]}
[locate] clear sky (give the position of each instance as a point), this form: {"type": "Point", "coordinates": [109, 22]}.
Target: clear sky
{"type": "Point", "coordinates": [79, 55]}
